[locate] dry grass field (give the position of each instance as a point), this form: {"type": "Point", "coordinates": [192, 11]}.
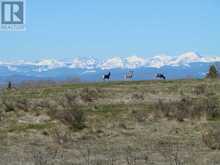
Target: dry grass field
{"type": "Point", "coordinates": [112, 123]}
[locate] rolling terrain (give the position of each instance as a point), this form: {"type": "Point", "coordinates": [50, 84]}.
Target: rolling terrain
{"type": "Point", "coordinates": [113, 123]}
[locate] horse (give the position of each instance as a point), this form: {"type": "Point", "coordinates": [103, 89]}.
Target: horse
{"type": "Point", "coordinates": [129, 75]}
{"type": "Point", "coordinates": [160, 76]}
{"type": "Point", "coordinates": [107, 76]}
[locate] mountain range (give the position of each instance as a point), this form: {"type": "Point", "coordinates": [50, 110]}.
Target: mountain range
{"type": "Point", "coordinates": [187, 65]}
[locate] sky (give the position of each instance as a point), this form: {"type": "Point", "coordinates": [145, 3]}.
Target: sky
{"type": "Point", "coordinates": [102, 29]}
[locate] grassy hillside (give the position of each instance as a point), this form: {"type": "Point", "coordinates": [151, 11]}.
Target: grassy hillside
{"type": "Point", "coordinates": [112, 123]}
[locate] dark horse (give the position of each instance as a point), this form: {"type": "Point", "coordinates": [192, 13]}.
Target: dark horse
{"type": "Point", "coordinates": [160, 76]}
{"type": "Point", "coordinates": [107, 76]}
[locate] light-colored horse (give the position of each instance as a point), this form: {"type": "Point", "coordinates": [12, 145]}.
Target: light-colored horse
{"type": "Point", "coordinates": [129, 75]}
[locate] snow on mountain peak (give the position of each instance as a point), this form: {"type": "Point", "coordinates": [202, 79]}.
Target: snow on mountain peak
{"type": "Point", "coordinates": [190, 56]}
{"type": "Point", "coordinates": [50, 64]}
{"type": "Point", "coordinates": [130, 62]}
{"type": "Point", "coordinates": [89, 63]}
{"type": "Point", "coordinates": [185, 59]}
{"type": "Point", "coordinates": [159, 61]}
{"type": "Point", "coordinates": [134, 62]}
{"type": "Point", "coordinates": [115, 62]}
{"type": "Point", "coordinates": [211, 59]}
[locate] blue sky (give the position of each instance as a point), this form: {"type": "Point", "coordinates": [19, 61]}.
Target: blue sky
{"type": "Point", "coordinates": [101, 29]}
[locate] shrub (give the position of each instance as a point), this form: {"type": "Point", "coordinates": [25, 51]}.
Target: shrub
{"type": "Point", "coordinates": [74, 118]}
{"type": "Point", "coordinates": [22, 104]}
{"type": "Point", "coordinates": [89, 95]}
{"type": "Point", "coordinates": [212, 105]}
{"type": "Point", "coordinates": [61, 137]}
{"type": "Point", "coordinates": [180, 109]}
{"type": "Point", "coordinates": [171, 150]}
{"type": "Point", "coordinates": [47, 157]}
{"type": "Point", "coordinates": [175, 109]}
{"type": "Point", "coordinates": [137, 96]}
{"type": "Point", "coordinates": [2, 115]}
{"type": "Point", "coordinates": [211, 136]}
{"type": "Point", "coordinates": [69, 99]}
{"type": "Point", "coordinates": [68, 111]}
{"type": "Point", "coordinates": [191, 108]}
{"type": "Point", "coordinates": [163, 107]}
{"type": "Point", "coordinates": [8, 104]}
{"type": "Point", "coordinates": [140, 115]}
{"type": "Point", "coordinates": [200, 89]}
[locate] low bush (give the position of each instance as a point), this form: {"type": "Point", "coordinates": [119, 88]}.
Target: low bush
{"type": "Point", "coordinates": [68, 111]}
{"type": "Point", "coordinates": [137, 96]}
{"type": "Point", "coordinates": [68, 100]}
{"type": "Point", "coordinates": [188, 108]}
{"type": "Point", "coordinates": [74, 118]}
{"type": "Point", "coordinates": [212, 105]}
{"type": "Point", "coordinates": [89, 94]}
{"type": "Point", "coordinates": [8, 104]}
{"type": "Point", "coordinates": [22, 104]}
{"type": "Point", "coordinates": [211, 136]}
{"type": "Point", "coordinates": [200, 89]}
{"type": "Point", "coordinates": [140, 115]}
{"type": "Point", "coordinates": [173, 109]}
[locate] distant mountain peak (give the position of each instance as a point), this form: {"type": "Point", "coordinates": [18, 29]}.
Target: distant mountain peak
{"type": "Point", "coordinates": [115, 62]}
{"type": "Point", "coordinates": [83, 63]}
{"type": "Point", "coordinates": [48, 64]}
{"type": "Point", "coordinates": [159, 61]}
{"type": "Point", "coordinates": [185, 59]}
{"type": "Point", "coordinates": [134, 62]}
{"type": "Point", "coordinates": [130, 62]}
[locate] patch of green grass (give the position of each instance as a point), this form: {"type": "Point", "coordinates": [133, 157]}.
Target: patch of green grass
{"type": "Point", "coordinates": [214, 119]}
{"type": "Point", "coordinates": [25, 127]}
{"type": "Point", "coordinates": [116, 110]}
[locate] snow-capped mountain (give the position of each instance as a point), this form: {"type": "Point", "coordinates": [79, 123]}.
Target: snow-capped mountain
{"type": "Point", "coordinates": [159, 61]}
{"type": "Point", "coordinates": [182, 60]}
{"type": "Point", "coordinates": [112, 63]}
{"type": "Point", "coordinates": [131, 62]}
{"type": "Point", "coordinates": [89, 63]}
{"type": "Point", "coordinates": [187, 64]}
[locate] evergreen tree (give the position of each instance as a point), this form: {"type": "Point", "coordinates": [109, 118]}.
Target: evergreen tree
{"type": "Point", "coordinates": [213, 73]}
{"type": "Point", "coordinates": [9, 85]}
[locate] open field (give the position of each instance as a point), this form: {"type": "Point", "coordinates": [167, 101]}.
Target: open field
{"type": "Point", "coordinates": [112, 123]}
